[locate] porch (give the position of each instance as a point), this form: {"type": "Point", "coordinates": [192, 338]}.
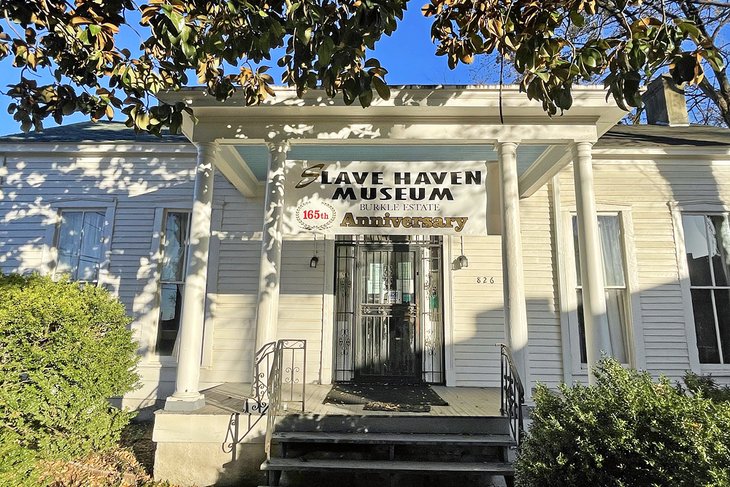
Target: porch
{"type": "Point", "coordinates": [447, 162]}
{"type": "Point", "coordinates": [435, 164]}
{"type": "Point", "coordinates": [282, 422]}
{"type": "Point", "coordinates": [219, 444]}
{"type": "Point", "coordinates": [230, 398]}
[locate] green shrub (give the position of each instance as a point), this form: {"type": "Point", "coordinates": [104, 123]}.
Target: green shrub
{"type": "Point", "coordinates": [64, 351]}
{"type": "Point", "coordinates": [627, 430]}
{"type": "Point", "coordinates": [705, 386]}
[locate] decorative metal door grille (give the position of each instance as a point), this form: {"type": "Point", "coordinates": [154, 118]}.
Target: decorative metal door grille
{"type": "Point", "coordinates": [384, 282]}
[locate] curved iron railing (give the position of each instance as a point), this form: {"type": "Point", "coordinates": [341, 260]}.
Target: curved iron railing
{"type": "Point", "coordinates": [513, 394]}
{"type": "Point", "coordinates": [287, 372]}
{"type": "Point", "coordinates": [259, 387]}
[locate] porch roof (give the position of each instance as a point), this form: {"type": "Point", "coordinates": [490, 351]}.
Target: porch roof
{"type": "Point", "coordinates": [434, 123]}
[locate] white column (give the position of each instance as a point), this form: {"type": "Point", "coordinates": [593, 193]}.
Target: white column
{"type": "Point", "coordinates": [513, 277]}
{"type": "Point", "coordinates": [187, 396]}
{"type": "Point", "coordinates": [591, 261]}
{"type": "Point", "coordinates": [267, 309]}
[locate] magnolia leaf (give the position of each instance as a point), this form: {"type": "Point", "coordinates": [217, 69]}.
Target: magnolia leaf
{"type": "Point", "coordinates": [382, 88]}
{"type": "Point", "coordinates": [366, 97]}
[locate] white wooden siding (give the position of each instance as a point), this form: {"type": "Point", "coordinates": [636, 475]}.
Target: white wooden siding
{"type": "Point", "coordinates": [648, 187]}
{"type": "Point", "coordinates": [477, 317]}
{"type": "Point", "coordinates": [140, 180]}
{"type": "Point", "coordinates": [143, 181]}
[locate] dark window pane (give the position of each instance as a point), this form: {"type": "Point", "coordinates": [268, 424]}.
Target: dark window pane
{"type": "Point", "coordinates": [576, 251]}
{"type": "Point", "coordinates": [720, 246]}
{"type": "Point", "coordinates": [722, 302]}
{"type": "Point", "coordinates": [705, 326]}
{"type": "Point", "coordinates": [69, 242]}
{"type": "Point", "coordinates": [80, 243]}
{"type": "Point", "coordinates": [170, 306]}
{"type": "Point", "coordinates": [67, 263]}
{"type": "Point", "coordinates": [91, 241]}
{"type": "Point", "coordinates": [581, 328]}
{"type": "Point", "coordinates": [175, 246]}
{"type": "Point", "coordinates": [88, 270]}
{"type": "Point", "coordinates": [405, 279]}
{"type": "Point", "coordinates": [616, 314]}
{"type": "Point", "coordinates": [695, 242]}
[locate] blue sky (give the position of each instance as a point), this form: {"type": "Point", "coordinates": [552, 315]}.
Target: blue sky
{"type": "Point", "coordinates": [408, 55]}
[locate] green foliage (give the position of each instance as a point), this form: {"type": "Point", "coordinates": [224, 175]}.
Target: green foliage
{"type": "Point", "coordinates": [705, 386]}
{"type": "Point", "coordinates": [223, 42]}
{"type": "Point", "coordinates": [552, 44]}
{"type": "Point", "coordinates": [625, 431]}
{"type": "Point", "coordinates": [555, 44]}
{"type": "Point", "coordinates": [64, 351]}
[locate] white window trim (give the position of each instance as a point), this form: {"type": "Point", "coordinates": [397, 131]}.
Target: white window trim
{"type": "Point", "coordinates": [568, 299]}
{"type": "Point", "coordinates": [677, 209]}
{"type": "Point", "coordinates": [50, 250]}
{"type": "Point", "coordinates": [146, 327]}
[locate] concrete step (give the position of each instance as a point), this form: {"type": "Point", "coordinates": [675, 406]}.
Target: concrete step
{"type": "Point", "coordinates": [394, 423]}
{"type": "Point", "coordinates": [386, 466]}
{"type": "Point", "coordinates": [394, 438]}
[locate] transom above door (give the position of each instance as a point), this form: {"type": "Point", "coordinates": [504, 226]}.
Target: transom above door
{"type": "Point", "coordinates": [388, 316]}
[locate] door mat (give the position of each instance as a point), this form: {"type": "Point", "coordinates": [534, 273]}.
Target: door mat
{"type": "Point", "coordinates": [386, 397]}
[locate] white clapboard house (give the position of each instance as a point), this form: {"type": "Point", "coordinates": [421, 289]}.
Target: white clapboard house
{"type": "Point", "coordinates": [276, 250]}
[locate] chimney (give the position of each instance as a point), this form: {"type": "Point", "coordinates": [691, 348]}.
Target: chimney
{"type": "Point", "coordinates": [665, 103]}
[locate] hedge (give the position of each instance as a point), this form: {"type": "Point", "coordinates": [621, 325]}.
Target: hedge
{"type": "Point", "coordinates": [626, 431]}
{"type": "Point", "coordinates": [65, 350]}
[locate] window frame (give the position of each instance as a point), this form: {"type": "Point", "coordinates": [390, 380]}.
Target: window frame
{"type": "Point", "coordinates": [568, 288]}
{"type": "Point", "coordinates": [678, 210]}
{"type": "Point", "coordinates": [161, 282]}
{"type": "Point", "coordinates": [146, 328]}
{"type": "Point", "coordinates": [50, 248]}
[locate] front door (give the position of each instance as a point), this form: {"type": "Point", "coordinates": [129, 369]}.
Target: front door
{"type": "Point", "coordinates": [387, 314]}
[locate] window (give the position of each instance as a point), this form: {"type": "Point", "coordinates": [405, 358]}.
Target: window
{"type": "Point", "coordinates": [707, 243]}
{"type": "Point", "coordinates": [611, 235]}
{"type": "Point", "coordinates": [80, 244]}
{"type": "Point", "coordinates": [172, 278]}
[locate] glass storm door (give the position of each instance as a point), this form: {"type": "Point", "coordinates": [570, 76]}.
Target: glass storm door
{"type": "Point", "coordinates": [387, 322]}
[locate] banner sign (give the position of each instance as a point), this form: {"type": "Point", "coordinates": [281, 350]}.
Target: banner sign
{"type": "Point", "coordinates": [361, 198]}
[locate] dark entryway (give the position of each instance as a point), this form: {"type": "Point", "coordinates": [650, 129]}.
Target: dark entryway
{"type": "Point", "coordinates": [387, 327]}
{"type": "Point", "coordinates": [388, 318]}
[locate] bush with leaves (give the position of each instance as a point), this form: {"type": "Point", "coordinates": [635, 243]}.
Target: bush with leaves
{"type": "Point", "coordinates": [625, 431]}
{"type": "Point", "coordinates": [65, 349]}
{"type": "Point", "coordinates": [705, 386]}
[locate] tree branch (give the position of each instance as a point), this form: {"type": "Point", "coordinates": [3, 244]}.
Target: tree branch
{"type": "Point", "coordinates": [711, 3]}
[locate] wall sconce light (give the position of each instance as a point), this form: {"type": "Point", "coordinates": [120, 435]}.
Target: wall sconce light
{"type": "Point", "coordinates": [462, 261]}
{"type": "Point", "coordinates": [314, 260]}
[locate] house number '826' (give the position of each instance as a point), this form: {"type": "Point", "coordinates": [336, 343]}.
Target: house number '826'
{"type": "Point", "coordinates": [485, 280]}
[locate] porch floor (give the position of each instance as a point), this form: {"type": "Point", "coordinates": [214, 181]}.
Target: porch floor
{"type": "Point", "coordinates": [229, 397]}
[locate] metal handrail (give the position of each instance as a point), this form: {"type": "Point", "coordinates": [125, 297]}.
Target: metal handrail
{"type": "Point", "coordinates": [512, 394]}
{"type": "Point", "coordinates": [274, 400]}
{"type": "Point", "coordinates": [263, 362]}
{"type": "Point", "coordinates": [278, 377]}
